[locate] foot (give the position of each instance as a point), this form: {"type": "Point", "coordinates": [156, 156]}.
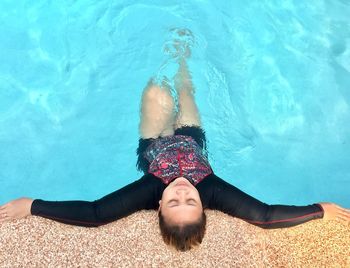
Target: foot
{"type": "Point", "coordinates": [180, 45]}
{"type": "Point", "coordinates": [183, 79]}
{"type": "Point", "coordinates": [16, 209]}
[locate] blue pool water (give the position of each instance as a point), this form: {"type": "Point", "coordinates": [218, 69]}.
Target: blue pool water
{"type": "Point", "coordinates": [272, 85]}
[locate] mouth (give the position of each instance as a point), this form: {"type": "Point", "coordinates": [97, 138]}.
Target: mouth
{"type": "Point", "coordinates": [181, 184]}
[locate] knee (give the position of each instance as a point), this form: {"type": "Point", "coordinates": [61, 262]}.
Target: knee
{"type": "Point", "coordinates": [153, 92]}
{"type": "Point", "coordinates": [160, 95]}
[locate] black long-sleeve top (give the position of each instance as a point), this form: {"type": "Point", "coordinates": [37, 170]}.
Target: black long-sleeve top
{"type": "Point", "coordinates": [146, 192]}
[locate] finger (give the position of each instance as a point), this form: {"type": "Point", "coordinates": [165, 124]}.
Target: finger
{"type": "Point", "coordinates": [346, 210]}
{"type": "Point", "coordinates": [4, 219]}
{"type": "Point", "coordinates": [346, 215]}
{"type": "Point", "coordinates": [343, 209]}
{"type": "Point", "coordinates": [3, 209]}
{"type": "Point", "coordinates": [343, 218]}
{"type": "Point", "coordinates": [5, 205]}
{"type": "Point", "coordinates": [339, 207]}
{"type": "Point", "coordinates": [4, 212]}
{"type": "Point", "coordinates": [3, 215]}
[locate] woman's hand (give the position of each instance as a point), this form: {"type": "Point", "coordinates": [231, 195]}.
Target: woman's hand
{"type": "Point", "coordinates": [335, 212]}
{"type": "Point", "coordinates": [15, 209]}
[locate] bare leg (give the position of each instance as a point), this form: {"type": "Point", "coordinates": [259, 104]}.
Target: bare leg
{"type": "Point", "coordinates": [157, 112]}
{"type": "Point", "coordinates": [188, 111]}
{"type": "Point", "coordinates": [158, 115]}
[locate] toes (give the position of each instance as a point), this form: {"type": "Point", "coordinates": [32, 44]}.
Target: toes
{"type": "Point", "coordinates": [180, 43]}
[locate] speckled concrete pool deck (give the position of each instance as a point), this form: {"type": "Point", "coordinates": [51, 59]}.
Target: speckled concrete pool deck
{"type": "Point", "coordinates": [135, 241]}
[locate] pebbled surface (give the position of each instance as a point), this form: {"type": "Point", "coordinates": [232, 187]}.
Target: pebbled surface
{"type": "Point", "coordinates": [272, 85]}
{"type": "Point", "coordinates": [135, 241]}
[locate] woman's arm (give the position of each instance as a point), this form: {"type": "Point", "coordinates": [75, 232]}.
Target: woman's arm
{"type": "Point", "coordinates": [141, 194]}
{"type": "Point", "coordinates": [229, 199]}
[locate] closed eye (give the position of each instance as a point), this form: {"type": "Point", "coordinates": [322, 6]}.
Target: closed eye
{"type": "Point", "coordinates": [175, 202]}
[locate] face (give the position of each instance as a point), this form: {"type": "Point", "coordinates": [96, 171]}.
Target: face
{"type": "Point", "coordinates": [180, 203]}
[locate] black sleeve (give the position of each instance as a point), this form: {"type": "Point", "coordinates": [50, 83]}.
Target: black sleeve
{"type": "Point", "coordinates": [220, 195]}
{"type": "Point", "coordinates": [141, 194]}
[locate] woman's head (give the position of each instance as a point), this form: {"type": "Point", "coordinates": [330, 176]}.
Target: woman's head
{"type": "Point", "coordinates": [181, 217]}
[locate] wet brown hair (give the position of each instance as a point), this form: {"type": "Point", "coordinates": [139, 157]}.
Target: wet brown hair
{"type": "Point", "coordinates": [183, 237]}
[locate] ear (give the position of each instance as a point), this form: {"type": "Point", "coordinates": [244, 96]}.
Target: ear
{"type": "Point", "coordinates": [160, 204]}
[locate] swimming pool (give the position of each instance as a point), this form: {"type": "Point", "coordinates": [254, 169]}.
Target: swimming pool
{"type": "Point", "coordinates": [272, 84]}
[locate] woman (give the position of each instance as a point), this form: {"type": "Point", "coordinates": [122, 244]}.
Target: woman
{"type": "Point", "coordinates": [178, 179]}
